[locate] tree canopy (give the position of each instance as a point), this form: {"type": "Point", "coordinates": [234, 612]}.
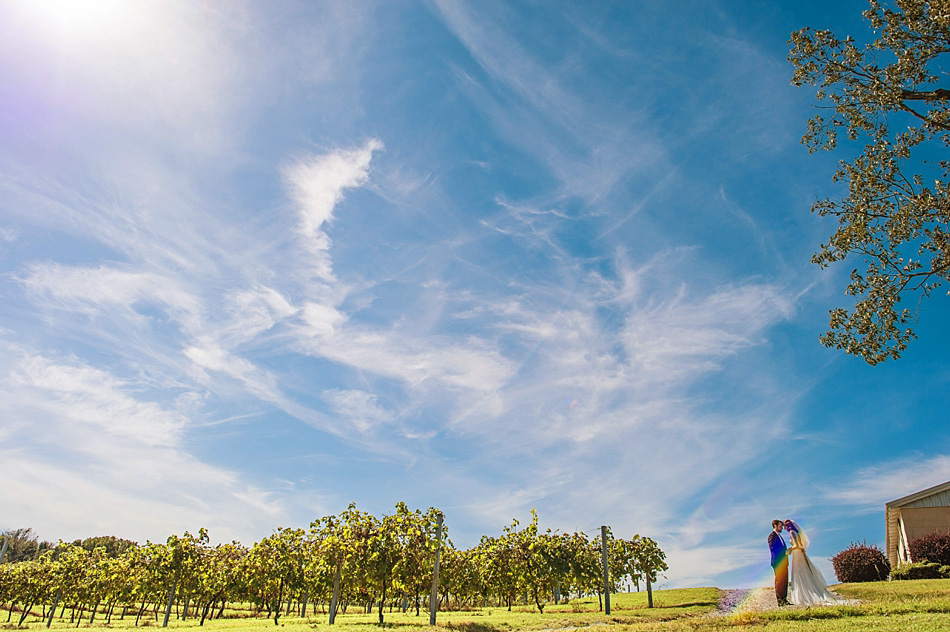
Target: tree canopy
{"type": "Point", "coordinates": [350, 558]}
{"type": "Point", "coordinates": [22, 544]}
{"type": "Point", "coordinates": [885, 98]}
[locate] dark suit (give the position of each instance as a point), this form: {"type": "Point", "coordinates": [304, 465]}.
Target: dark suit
{"type": "Point", "coordinates": [779, 562]}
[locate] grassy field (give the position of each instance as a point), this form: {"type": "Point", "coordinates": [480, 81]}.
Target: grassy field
{"type": "Point", "coordinates": [922, 605]}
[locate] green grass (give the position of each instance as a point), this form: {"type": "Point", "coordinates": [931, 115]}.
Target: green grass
{"type": "Point", "coordinates": [626, 609]}
{"type": "Point", "coordinates": [921, 605]}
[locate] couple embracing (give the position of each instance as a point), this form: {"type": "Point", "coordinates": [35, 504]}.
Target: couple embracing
{"type": "Point", "coordinates": [807, 585]}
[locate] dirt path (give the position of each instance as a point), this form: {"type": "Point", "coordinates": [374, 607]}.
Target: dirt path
{"type": "Point", "coordinates": [741, 600]}
{"type": "Point", "coordinates": [751, 600]}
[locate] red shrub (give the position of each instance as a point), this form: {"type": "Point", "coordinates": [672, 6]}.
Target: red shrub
{"type": "Point", "coordinates": [933, 547]}
{"type": "Point", "coordinates": [861, 563]}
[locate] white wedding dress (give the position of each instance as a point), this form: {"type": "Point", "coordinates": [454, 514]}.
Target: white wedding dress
{"type": "Point", "coordinates": [806, 586]}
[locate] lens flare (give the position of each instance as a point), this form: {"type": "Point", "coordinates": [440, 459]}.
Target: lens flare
{"type": "Point", "coordinates": [82, 16]}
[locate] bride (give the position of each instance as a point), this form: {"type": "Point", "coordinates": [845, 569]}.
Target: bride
{"type": "Point", "coordinates": [806, 585]}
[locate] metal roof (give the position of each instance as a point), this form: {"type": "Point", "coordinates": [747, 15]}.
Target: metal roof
{"type": "Point", "coordinates": [936, 496]}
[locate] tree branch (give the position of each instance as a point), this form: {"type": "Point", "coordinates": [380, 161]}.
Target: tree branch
{"type": "Point", "coordinates": [926, 119]}
{"type": "Point", "coordinates": [940, 94]}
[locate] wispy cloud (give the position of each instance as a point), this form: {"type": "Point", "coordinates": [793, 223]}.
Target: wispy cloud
{"type": "Point", "coordinates": [316, 185]}
{"type": "Point", "coordinates": [106, 288]}
{"type": "Point", "coordinates": [587, 149]}
{"type": "Point", "coordinates": [891, 480]}
{"type": "Point", "coordinates": [87, 438]}
{"type": "Point", "coordinates": [94, 401]}
{"type": "Point", "coordinates": [360, 408]}
{"type": "Point", "coordinates": [254, 311]}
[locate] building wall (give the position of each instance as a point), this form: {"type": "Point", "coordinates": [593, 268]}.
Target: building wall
{"type": "Point", "coordinates": [919, 521]}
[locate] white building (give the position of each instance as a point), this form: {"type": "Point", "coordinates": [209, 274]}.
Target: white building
{"type": "Point", "coordinates": [913, 516]}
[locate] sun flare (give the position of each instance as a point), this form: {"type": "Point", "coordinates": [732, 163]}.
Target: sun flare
{"type": "Point", "coordinates": [82, 17]}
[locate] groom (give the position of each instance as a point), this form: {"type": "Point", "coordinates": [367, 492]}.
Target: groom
{"type": "Point", "coordinates": [779, 562]}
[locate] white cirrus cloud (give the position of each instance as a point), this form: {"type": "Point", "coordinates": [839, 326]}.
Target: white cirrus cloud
{"type": "Point", "coordinates": [86, 400]}
{"type": "Point", "coordinates": [592, 150]}
{"type": "Point", "coordinates": [360, 408]}
{"type": "Point", "coordinates": [892, 480]}
{"type": "Point", "coordinates": [145, 495]}
{"type": "Point", "coordinates": [685, 334]}
{"type": "Point", "coordinates": [92, 452]}
{"type": "Point", "coordinates": [316, 184]}
{"type": "Point", "coordinates": [413, 360]}
{"type": "Point", "coordinates": [103, 288]}
{"type": "Point", "coordinates": [256, 310]}
{"type": "Point", "coordinates": [321, 321]}
{"type": "Point", "coordinates": [8, 233]}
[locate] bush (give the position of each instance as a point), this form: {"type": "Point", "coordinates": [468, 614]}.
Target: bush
{"type": "Point", "coordinates": [920, 570]}
{"type": "Point", "coordinates": [933, 547]}
{"type": "Point", "coordinates": [861, 563]}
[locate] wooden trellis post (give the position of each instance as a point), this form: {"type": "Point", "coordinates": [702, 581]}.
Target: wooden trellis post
{"type": "Point", "coordinates": [434, 597]}
{"type": "Point", "coordinates": [603, 539]}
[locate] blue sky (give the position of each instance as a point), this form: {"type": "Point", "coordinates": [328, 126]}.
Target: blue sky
{"type": "Point", "coordinates": [261, 260]}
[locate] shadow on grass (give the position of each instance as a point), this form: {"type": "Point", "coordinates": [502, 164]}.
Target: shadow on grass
{"type": "Point", "coordinates": [465, 626]}
{"type": "Point", "coordinates": [656, 607]}
{"type": "Point", "coordinates": [473, 626]}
